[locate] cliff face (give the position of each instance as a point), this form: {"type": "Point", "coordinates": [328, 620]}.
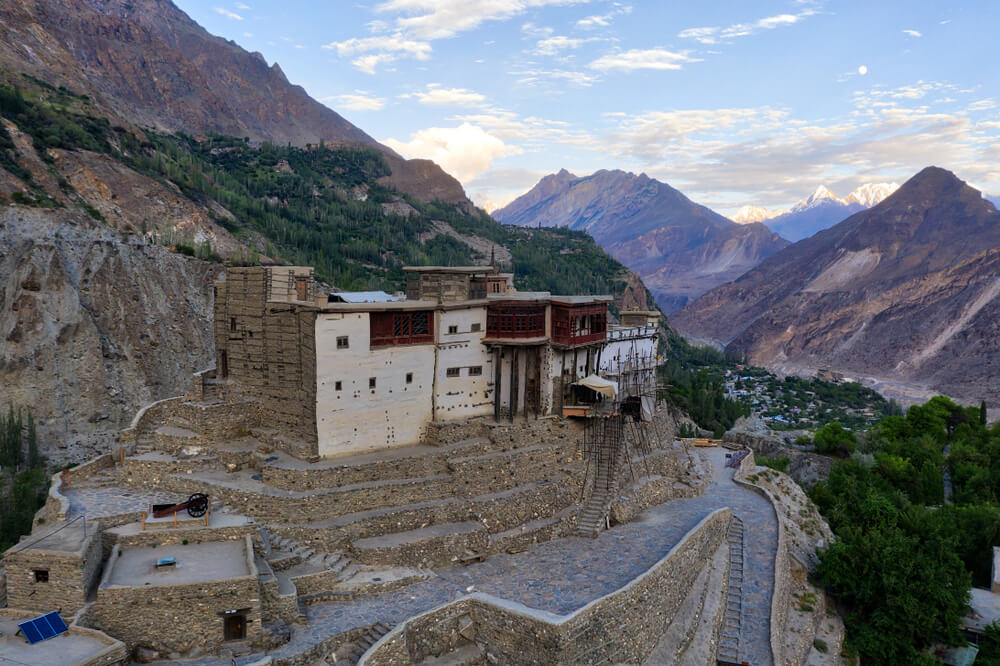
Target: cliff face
{"type": "Point", "coordinates": [147, 63]}
{"type": "Point", "coordinates": [680, 249]}
{"type": "Point", "coordinates": [93, 325]}
{"type": "Point", "coordinates": [904, 292]}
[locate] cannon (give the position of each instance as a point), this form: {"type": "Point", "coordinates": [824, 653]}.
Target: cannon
{"type": "Point", "coordinates": [196, 505]}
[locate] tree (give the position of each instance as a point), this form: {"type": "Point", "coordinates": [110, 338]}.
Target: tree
{"type": "Point", "coordinates": [834, 439]}
{"type": "Point", "coordinates": [982, 413]}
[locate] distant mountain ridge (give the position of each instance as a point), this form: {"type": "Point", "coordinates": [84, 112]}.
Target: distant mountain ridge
{"type": "Point", "coordinates": [907, 291]}
{"type": "Point", "coordinates": [148, 63]}
{"type": "Point", "coordinates": [681, 249]}
{"type": "Point", "coordinates": [820, 210]}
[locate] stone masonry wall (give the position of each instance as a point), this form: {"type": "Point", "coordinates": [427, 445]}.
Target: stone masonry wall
{"type": "Point", "coordinates": [115, 651]}
{"type": "Point", "coordinates": [66, 588]}
{"type": "Point", "coordinates": [623, 626]}
{"type": "Point", "coordinates": [177, 618]}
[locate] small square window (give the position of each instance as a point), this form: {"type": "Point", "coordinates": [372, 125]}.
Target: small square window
{"type": "Point", "coordinates": [342, 342]}
{"type": "Point", "coordinates": [476, 328]}
{"type": "Point", "coordinates": [454, 372]}
{"type": "Point", "coordinates": [338, 386]}
{"type": "Point", "coordinates": [475, 371]}
{"type": "Point", "coordinates": [452, 330]}
{"type": "Point", "coordinates": [409, 378]}
{"type": "Point", "coordinates": [371, 382]}
{"type": "Point", "coordinates": [41, 575]}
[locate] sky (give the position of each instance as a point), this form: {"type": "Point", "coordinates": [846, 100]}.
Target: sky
{"type": "Point", "coordinates": [731, 102]}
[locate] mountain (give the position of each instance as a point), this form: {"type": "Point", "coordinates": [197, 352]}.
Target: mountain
{"type": "Point", "coordinates": [147, 63]}
{"type": "Point", "coordinates": [113, 228]}
{"type": "Point", "coordinates": [907, 291]}
{"type": "Point", "coordinates": [822, 209]}
{"type": "Point", "coordinates": [680, 249]}
{"type": "Point", "coordinates": [748, 214]}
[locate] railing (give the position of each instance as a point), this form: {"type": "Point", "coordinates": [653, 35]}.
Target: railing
{"type": "Point", "coordinates": [632, 332]}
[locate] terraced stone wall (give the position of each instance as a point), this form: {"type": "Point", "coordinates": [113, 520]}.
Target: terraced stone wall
{"type": "Point", "coordinates": [621, 627]}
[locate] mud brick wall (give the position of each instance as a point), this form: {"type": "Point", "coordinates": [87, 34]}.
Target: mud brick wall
{"type": "Point", "coordinates": [440, 287]}
{"type": "Point", "coordinates": [70, 576]}
{"type": "Point", "coordinates": [177, 618]}
{"type": "Point", "coordinates": [271, 354]}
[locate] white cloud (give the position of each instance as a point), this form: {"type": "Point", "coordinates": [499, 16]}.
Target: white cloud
{"type": "Point", "coordinates": [602, 20]}
{"type": "Point", "coordinates": [248, 34]}
{"type": "Point", "coordinates": [546, 76]}
{"type": "Point", "coordinates": [437, 19]}
{"type": "Point", "coordinates": [243, 6]}
{"type": "Point", "coordinates": [714, 155]}
{"type": "Point", "coordinates": [713, 34]}
{"type": "Point", "coordinates": [375, 51]}
{"type": "Point", "coordinates": [554, 45]}
{"type": "Point", "coordinates": [913, 33]}
{"type": "Point", "coordinates": [359, 100]}
{"type": "Point", "coordinates": [464, 151]}
{"type": "Point", "coordinates": [634, 59]}
{"type": "Point", "coordinates": [228, 14]}
{"type": "Point", "coordinates": [435, 95]}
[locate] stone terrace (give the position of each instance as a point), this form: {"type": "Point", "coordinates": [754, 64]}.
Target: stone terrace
{"type": "Point", "coordinates": [562, 575]}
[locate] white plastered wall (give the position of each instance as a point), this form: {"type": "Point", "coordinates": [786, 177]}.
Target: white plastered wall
{"type": "Point", "coordinates": [467, 394]}
{"type": "Point", "coordinates": [356, 418]}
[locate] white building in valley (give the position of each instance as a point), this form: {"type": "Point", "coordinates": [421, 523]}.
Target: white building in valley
{"type": "Point", "coordinates": [348, 373]}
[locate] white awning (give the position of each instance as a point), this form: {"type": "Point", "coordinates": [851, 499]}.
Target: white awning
{"type": "Point", "coordinates": [599, 384]}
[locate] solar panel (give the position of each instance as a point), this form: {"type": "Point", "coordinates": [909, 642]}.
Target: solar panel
{"type": "Point", "coordinates": [43, 628]}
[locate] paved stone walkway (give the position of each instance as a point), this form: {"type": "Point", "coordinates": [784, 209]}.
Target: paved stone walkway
{"type": "Point", "coordinates": [563, 575]}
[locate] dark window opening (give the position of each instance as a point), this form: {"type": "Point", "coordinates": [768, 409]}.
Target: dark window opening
{"type": "Point", "coordinates": [41, 575]}
{"type": "Point", "coordinates": [477, 327]}
{"type": "Point", "coordinates": [409, 378]}
{"type": "Point", "coordinates": [371, 382]}
{"type": "Point", "coordinates": [232, 324]}
{"type": "Point", "coordinates": [343, 342]}
{"type": "Point", "coordinates": [235, 627]}
{"type": "Point", "coordinates": [401, 328]}
{"type": "Point", "coordinates": [454, 372]}
{"type": "Point", "coordinates": [223, 364]}
{"type": "Point", "coordinates": [337, 386]}
{"type": "Point", "coordinates": [475, 371]}
{"type": "Point", "coordinates": [452, 330]}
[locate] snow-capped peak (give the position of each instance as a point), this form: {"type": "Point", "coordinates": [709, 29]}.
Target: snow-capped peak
{"type": "Point", "coordinates": [871, 194]}
{"type": "Point", "coordinates": [751, 214]}
{"type": "Point", "coordinates": [821, 195]}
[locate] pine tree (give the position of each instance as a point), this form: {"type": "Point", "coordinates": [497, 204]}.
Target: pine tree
{"type": "Point", "coordinates": [982, 412]}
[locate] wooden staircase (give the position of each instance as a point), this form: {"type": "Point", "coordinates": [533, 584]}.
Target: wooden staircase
{"type": "Point", "coordinates": [728, 651]}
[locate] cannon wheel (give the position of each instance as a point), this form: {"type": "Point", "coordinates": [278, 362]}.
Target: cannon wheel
{"type": "Point", "coordinates": [197, 505]}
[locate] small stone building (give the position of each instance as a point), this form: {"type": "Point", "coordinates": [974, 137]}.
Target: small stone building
{"type": "Point", "coordinates": [181, 599]}
{"type": "Point", "coordinates": [54, 568]}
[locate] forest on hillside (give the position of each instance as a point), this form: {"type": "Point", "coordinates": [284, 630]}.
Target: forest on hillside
{"type": "Point", "coordinates": [318, 205]}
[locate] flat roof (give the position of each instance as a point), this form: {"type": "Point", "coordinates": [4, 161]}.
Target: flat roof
{"type": "Point", "coordinates": [196, 563]}
{"type": "Point", "coordinates": [985, 607]}
{"type": "Point", "coordinates": [582, 300]}
{"type": "Point", "coordinates": [379, 307]}
{"type": "Point", "coordinates": [449, 269]}
{"type": "Point", "coordinates": [59, 537]}
{"type": "Point", "coordinates": [521, 296]}
{"type": "Point", "coordinates": [73, 647]}
{"type": "Point", "coordinates": [363, 297]}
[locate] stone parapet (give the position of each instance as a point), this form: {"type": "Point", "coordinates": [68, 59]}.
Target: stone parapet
{"type": "Point", "coordinates": [623, 626]}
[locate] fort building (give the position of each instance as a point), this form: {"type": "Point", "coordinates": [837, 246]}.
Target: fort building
{"type": "Point", "coordinates": [347, 373]}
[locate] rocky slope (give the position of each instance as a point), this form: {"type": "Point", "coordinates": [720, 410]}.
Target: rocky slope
{"type": "Point", "coordinates": [904, 292]}
{"type": "Point", "coordinates": [147, 63]}
{"type": "Point", "coordinates": [93, 324]}
{"type": "Point", "coordinates": [680, 249]}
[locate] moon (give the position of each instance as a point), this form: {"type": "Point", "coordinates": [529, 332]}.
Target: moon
{"type": "Point", "coordinates": [862, 70]}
